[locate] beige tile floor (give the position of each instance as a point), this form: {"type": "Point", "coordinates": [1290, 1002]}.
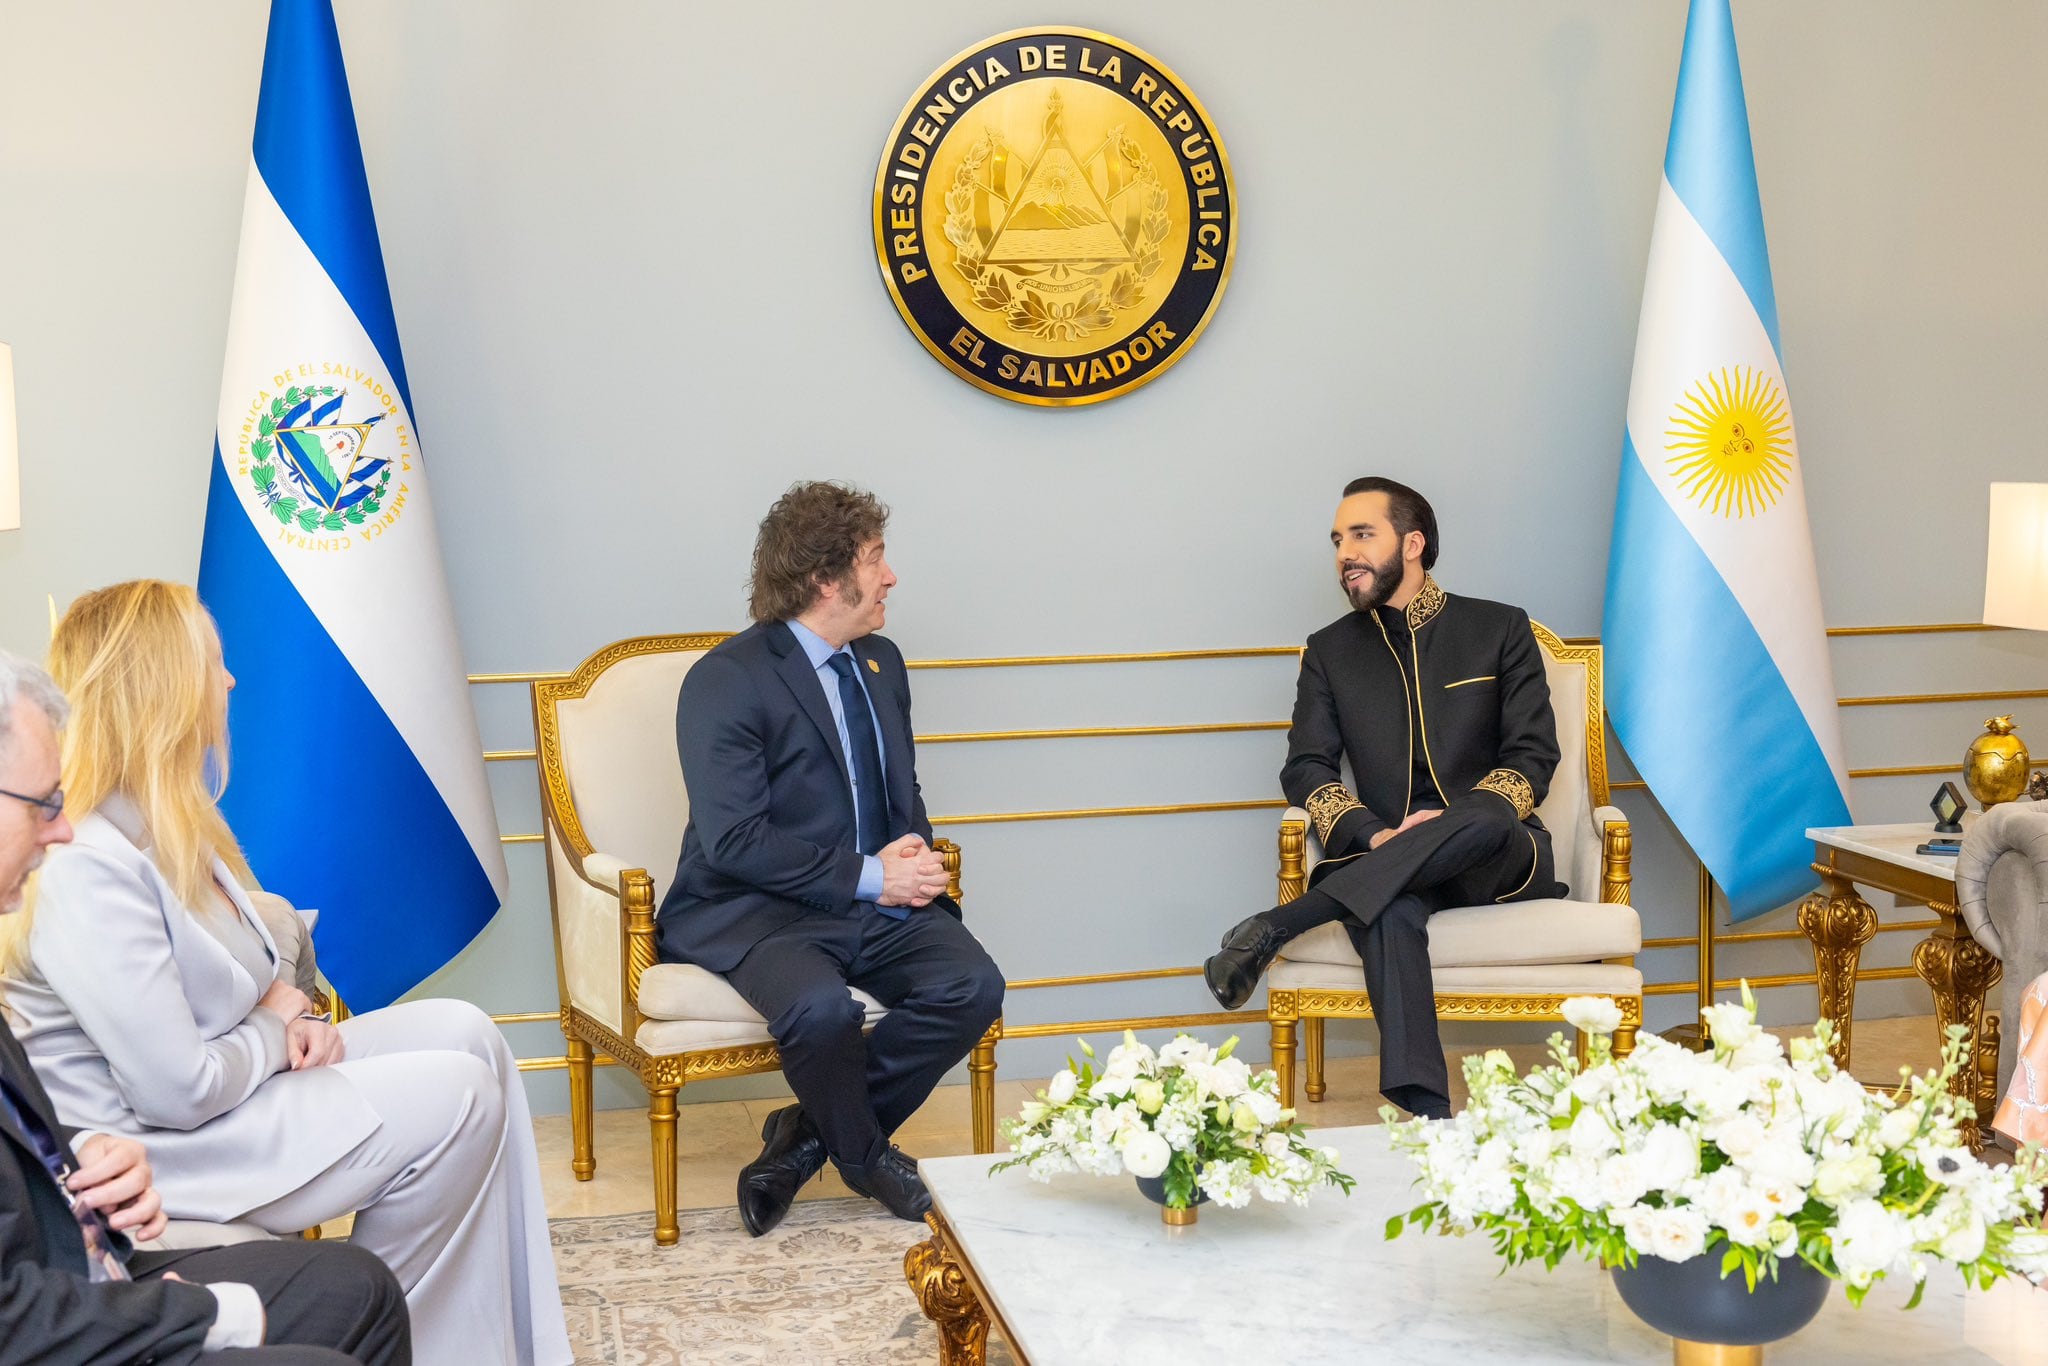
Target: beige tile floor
{"type": "Point", "coordinates": [715, 1140]}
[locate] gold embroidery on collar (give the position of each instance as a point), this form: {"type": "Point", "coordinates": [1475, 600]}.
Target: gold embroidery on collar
{"type": "Point", "coordinates": [1505, 782]}
{"type": "Point", "coordinates": [1427, 602]}
{"type": "Point", "coordinates": [1326, 805]}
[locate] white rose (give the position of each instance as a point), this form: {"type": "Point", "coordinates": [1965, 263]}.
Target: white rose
{"type": "Point", "coordinates": [1113, 1085]}
{"type": "Point", "coordinates": [1779, 1160]}
{"type": "Point", "coordinates": [1061, 1088]}
{"type": "Point", "coordinates": [1592, 1014]}
{"type": "Point", "coordinates": [1033, 1111]}
{"type": "Point", "coordinates": [1592, 1136]}
{"type": "Point", "coordinates": [1230, 1078]}
{"type": "Point", "coordinates": [1964, 1242]}
{"type": "Point", "coordinates": [1670, 1157]}
{"type": "Point", "coordinates": [1678, 1234]}
{"type": "Point", "coordinates": [1869, 1241]}
{"type": "Point", "coordinates": [1739, 1135]}
{"type": "Point", "coordinates": [1731, 1024]}
{"type": "Point", "coordinates": [1622, 1181]}
{"type": "Point", "coordinates": [1897, 1129]}
{"type": "Point", "coordinates": [1146, 1153]}
{"type": "Point", "coordinates": [1839, 1180]}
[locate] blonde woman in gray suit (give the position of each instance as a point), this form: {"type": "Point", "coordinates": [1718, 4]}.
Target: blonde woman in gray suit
{"type": "Point", "coordinates": [147, 993]}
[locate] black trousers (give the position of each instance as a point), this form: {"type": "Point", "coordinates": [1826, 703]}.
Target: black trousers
{"type": "Point", "coordinates": [325, 1303]}
{"type": "Point", "coordinates": [1471, 855]}
{"type": "Point", "coordinates": [942, 990]}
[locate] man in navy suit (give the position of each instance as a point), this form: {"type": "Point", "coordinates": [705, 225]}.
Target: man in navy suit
{"type": "Point", "coordinates": [807, 864]}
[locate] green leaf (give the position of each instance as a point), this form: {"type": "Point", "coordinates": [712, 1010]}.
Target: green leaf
{"type": "Point", "coordinates": [262, 449]}
{"type": "Point", "coordinates": [354, 516]}
{"type": "Point", "coordinates": [309, 519]}
{"type": "Point", "coordinates": [264, 426]}
{"type": "Point", "coordinates": [1919, 1289]}
{"type": "Point", "coordinates": [332, 521]}
{"type": "Point", "coordinates": [282, 509]}
{"type": "Point", "coordinates": [1394, 1227]}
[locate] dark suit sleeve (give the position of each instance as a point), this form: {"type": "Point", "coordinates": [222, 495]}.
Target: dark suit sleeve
{"type": "Point", "coordinates": [1528, 729]}
{"type": "Point", "coordinates": [48, 1315]}
{"type": "Point", "coordinates": [1313, 776]}
{"type": "Point", "coordinates": [720, 734]}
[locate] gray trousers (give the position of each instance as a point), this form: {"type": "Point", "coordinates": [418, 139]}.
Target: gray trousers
{"type": "Point", "coordinates": [446, 1191]}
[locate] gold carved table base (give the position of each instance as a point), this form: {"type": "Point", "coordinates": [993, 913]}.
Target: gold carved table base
{"type": "Point", "coordinates": [946, 1291]}
{"type": "Point", "coordinates": [1959, 971]}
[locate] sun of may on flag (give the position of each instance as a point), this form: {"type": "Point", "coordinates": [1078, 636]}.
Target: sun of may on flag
{"type": "Point", "coordinates": [1720, 689]}
{"type": "Point", "coordinates": [356, 781]}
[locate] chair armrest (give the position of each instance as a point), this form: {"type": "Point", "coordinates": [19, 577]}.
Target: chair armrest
{"type": "Point", "coordinates": [949, 854]}
{"type": "Point", "coordinates": [2018, 830]}
{"type": "Point", "coordinates": [1297, 853]}
{"type": "Point", "coordinates": [635, 892]}
{"type": "Point", "coordinates": [1617, 849]}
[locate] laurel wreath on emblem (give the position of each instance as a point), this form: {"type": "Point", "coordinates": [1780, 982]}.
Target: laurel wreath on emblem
{"type": "Point", "coordinates": [1025, 309]}
{"type": "Point", "coordinates": [287, 507]}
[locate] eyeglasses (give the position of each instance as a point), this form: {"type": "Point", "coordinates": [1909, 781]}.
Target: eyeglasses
{"type": "Point", "coordinates": [51, 806]}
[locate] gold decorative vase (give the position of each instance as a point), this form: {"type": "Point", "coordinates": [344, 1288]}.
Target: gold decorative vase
{"type": "Point", "coordinates": [1995, 765]}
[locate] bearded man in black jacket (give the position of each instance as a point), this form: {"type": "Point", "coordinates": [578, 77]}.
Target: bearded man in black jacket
{"type": "Point", "coordinates": [1440, 705]}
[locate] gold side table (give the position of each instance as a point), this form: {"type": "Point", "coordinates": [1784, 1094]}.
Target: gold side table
{"type": "Point", "coordinates": [1957, 969]}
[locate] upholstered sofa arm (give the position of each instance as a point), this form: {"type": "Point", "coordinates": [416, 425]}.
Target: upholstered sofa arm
{"type": "Point", "coordinates": [2002, 882]}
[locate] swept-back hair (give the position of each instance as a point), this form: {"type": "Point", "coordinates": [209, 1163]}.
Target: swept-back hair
{"type": "Point", "coordinates": [140, 662]}
{"type": "Point", "coordinates": [810, 538]}
{"type": "Point", "coordinates": [1406, 509]}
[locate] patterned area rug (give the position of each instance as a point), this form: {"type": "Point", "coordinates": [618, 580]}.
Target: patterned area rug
{"type": "Point", "coordinates": [825, 1288]}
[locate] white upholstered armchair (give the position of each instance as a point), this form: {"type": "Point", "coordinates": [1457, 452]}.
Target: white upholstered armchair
{"type": "Point", "coordinates": [2002, 892]}
{"type": "Point", "coordinates": [613, 808]}
{"type": "Point", "coordinates": [1518, 961]}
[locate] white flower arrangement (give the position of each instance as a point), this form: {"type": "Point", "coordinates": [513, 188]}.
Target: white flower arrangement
{"type": "Point", "coordinates": [1190, 1115]}
{"type": "Point", "coordinates": [1674, 1154]}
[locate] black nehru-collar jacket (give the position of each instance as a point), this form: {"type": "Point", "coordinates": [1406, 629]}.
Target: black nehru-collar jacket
{"type": "Point", "coordinates": [1485, 730]}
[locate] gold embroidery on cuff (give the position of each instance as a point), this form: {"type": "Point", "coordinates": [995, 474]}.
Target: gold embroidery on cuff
{"type": "Point", "coordinates": [1505, 782]}
{"type": "Point", "coordinates": [1326, 804]}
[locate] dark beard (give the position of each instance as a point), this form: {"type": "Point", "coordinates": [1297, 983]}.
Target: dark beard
{"type": "Point", "coordinates": [1386, 577]}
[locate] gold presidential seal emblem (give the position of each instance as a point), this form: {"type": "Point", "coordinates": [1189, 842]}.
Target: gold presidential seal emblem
{"type": "Point", "coordinates": [1054, 216]}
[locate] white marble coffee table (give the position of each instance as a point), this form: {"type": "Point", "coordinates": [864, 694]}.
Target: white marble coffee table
{"type": "Point", "coordinates": [1083, 1273]}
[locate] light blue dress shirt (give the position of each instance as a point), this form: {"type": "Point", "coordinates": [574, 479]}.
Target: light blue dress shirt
{"type": "Point", "coordinates": [818, 650]}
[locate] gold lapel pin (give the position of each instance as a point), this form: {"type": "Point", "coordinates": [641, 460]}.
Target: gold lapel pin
{"type": "Point", "coordinates": [873, 667]}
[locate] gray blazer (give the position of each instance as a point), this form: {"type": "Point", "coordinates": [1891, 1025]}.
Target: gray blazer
{"type": "Point", "coordinates": [140, 1023]}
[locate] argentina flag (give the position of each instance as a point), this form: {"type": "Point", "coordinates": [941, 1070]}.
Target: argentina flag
{"type": "Point", "coordinates": [1720, 687]}
{"type": "Point", "coordinates": [356, 778]}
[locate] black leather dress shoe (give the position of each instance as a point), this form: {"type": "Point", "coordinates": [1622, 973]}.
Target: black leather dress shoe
{"type": "Point", "coordinates": [892, 1179]}
{"type": "Point", "coordinates": [1248, 950]}
{"type": "Point", "coordinates": [791, 1154]}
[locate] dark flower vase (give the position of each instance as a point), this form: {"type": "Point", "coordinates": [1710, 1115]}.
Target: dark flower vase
{"type": "Point", "coordinates": [1153, 1188]}
{"type": "Point", "coordinates": [1692, 1302]}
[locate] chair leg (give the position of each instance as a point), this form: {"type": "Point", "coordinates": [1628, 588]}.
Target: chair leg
{"type": "Point", "coordinates": [661, 1115]}
{"type": "Point", "coordinates": [1283, 1058]}
{"type": "Point", "coordinates": [1312, 1047]}
{"type": "Point", "coordinates": [582, 1116]}
{"type": "Point", "coordinates": [981, 1087]}
{"type": "Point", "coordinates": [1624, 1041]}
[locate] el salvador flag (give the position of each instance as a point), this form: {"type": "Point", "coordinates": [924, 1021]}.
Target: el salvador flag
{"type": "Point", "coordinates": [1720, 685]}
{"type": "Point", "coordinates": [356, 779]}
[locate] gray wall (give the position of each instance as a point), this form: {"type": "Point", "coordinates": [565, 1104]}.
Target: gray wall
{"type": "Point", "coordinates": [629, 254]}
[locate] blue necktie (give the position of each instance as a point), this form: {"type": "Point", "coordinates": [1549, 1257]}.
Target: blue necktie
{"type": "Point", "coordinates": [870, 802]}
{"type": "Point", "coordinates": [101, 1261]}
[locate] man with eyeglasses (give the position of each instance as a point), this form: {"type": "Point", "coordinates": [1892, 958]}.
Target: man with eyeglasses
{"type": "Point", "coordinates": [72, 1287]}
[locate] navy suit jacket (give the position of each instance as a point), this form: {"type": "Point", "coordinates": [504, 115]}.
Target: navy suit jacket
{"type": "Point", "coordinates": [50, 1310]}
{"type": "Point", "coordinates": [771, 833]}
